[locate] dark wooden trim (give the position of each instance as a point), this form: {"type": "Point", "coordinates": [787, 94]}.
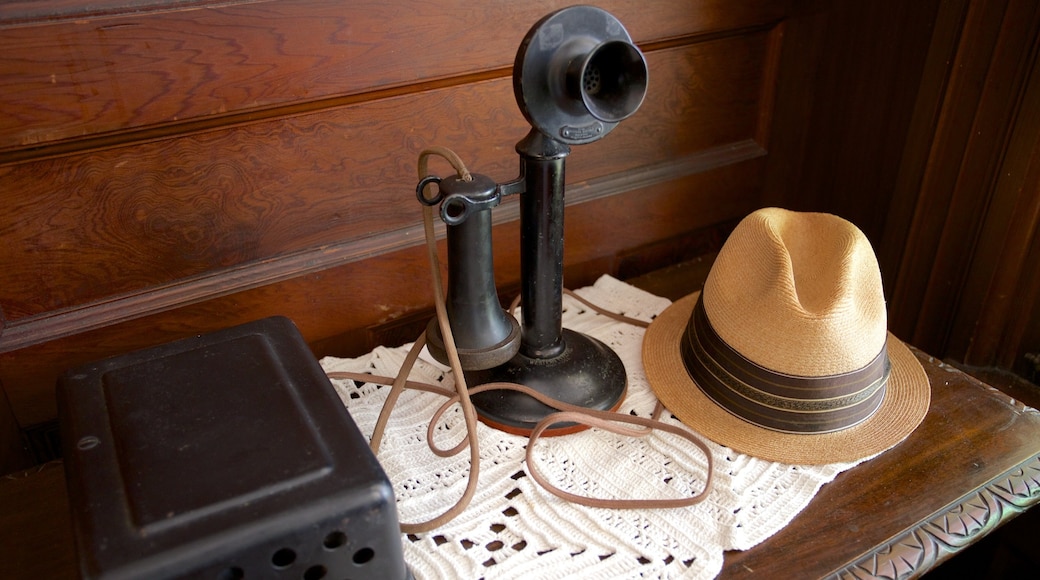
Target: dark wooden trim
{"type": "Point", "coordinates": [770, 76]}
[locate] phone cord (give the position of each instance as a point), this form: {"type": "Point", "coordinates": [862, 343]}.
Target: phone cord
{"type": "Point", "coordinates": [613, 422]}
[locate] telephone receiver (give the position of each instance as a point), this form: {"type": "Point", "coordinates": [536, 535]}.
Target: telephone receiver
{"type": "Point", "coordinates": [577, 74]}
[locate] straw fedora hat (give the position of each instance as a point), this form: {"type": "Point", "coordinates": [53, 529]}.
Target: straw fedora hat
{"type": "Point", "coordinates": [786, 355]}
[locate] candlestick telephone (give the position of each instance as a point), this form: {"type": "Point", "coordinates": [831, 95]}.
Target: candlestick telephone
{"type": "Point", "coordinates": [577, 74]}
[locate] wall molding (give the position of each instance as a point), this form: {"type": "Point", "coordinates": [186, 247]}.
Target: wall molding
{"type": "Point", "coordinates": [117, 309]}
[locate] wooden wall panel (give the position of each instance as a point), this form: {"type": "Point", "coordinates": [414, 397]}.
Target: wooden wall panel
{"type": "Point", "coordinates": [347, 307]}
{"type": "Point", "coordinates": [169, 172]}
{"type": "Point", "coordinates": [173, 167]}
{"type": "Point", "coordinates": [77, 78]}
{"type": "Point", "coordinates": [164, 211]}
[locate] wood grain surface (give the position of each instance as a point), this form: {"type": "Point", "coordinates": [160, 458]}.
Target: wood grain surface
{"type": "Point", "coordinates": [170, 171]}
{"type": "Point", "coordinates": [117, 72]}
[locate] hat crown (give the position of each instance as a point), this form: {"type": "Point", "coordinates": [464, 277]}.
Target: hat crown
{"type": "Point", "coordinates": [798, 294]}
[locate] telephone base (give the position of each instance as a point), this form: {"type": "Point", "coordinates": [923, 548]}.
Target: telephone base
{"type": "Point", "coordinates": [586, 373]}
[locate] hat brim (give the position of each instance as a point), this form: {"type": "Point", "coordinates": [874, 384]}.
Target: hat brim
{"type": "Point", "coordinates": [906, 402]}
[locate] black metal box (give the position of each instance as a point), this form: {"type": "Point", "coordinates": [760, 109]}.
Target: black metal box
{"type": "Point", "coordinates": [227, 455]}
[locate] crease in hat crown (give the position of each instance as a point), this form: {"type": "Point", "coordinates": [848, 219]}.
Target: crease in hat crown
{"type": "Point", "coordinates": [798, 294]}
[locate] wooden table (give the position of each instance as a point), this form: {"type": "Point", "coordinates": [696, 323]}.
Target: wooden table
{"type": "Point", "coordinates": [973, 464]}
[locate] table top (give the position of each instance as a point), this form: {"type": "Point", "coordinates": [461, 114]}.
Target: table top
{"type": "Point", "coordinates": [973, 464]}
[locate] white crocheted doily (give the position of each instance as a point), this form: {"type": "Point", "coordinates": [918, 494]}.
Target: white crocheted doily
{"type": "Point", "coordinates": [514, 529]}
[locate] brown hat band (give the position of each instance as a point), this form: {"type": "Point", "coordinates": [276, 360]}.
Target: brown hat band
{"type": "Point", "coordinates": [777, 401]}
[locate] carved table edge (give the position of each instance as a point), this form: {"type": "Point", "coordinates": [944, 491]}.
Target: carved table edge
{"type": "Point", "coordinates": [950, 529]}
{"type": "Point", "coordinates": [1016, 405]}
